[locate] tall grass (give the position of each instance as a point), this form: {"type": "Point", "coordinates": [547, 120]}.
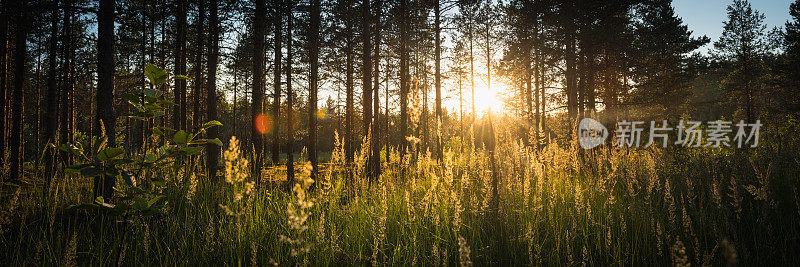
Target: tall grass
{"type": "Point", "coordinates": [558, 206]}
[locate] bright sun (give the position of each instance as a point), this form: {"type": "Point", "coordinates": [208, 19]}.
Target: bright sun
{"type": "Point", "coordinates": [486, 97]}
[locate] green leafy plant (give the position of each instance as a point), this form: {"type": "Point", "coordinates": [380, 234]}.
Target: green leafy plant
{"type": "Point", "coordinates": [141, 197]}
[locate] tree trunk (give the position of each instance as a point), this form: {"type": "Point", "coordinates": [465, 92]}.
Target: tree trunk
{"type": "Point", "coordinates": [528, 74]}
{"type": "Point", "coordinates": [589, 88]}
{"type": "Point", "coordinates": [349, 109]}
{"type": "Point", "coordinates": [581, 76]}
{"type": "Point", "coordinates": [137, 138]}
{"type": "Point", "coordinates": [50, 103]}
{"type": "Point", "coordinates": [489, 137]}
{"type": "Point", "coordinates": [376, 137]}
{"type": "Point", "coordinates": [386, 134]}
{"type": "Point", "coordinates": [20, 55]}
{"type": "Point", "coordinates": [542, 93]}
{"type": "Point", "coordinates": [3, 78]}
{"type": "Point", "coordinates": [67, 93]}
{"type": "Point", "coordinates": [489, 62]}
{"type": "Point", "coordinates": [179, 117]}
{"type": "Point", "coordinates": [747, 77]}
{"type": "Point", "coordinates": [460, 111]}
{"type": "Point", "coordinates": [312, 85]}
{"type": "Point", "coordinates": [571, 80]}
{"type": "Point", "coordinates": [438, 76]}
{"type": "Point", "coordinates": [235, 95]}
{"type": "Point", "coordinates": [257, 106]}
{"type": "Point", "coordinates": [105, 89]}
{"type": "Point", "coordinates": [37, 88]}
{"type": "Point", "coordinates": [536, 77]}
{"type": "Point", "coordinates": [425, 120]}
{"type": "Point", "coordinates": [199, 80]}
{"type": "Point", "coordinates": [366, 76]}
{"type": "Point", "coordinates": [404, 77]}
{"type": "Point", "coordinates": [471, 36]}
{"type": "Point", "coordinates": [289, 99]}
{"type": "Point", "coordinates": [212, 150]}
{"type": "Point", "coordinates": [276, 93]}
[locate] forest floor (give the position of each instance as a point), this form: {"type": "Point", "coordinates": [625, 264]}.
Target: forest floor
{"type": "Point", "coordinates": [552, 206]}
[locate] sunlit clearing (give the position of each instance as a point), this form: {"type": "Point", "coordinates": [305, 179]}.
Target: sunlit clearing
{"type": "Point", "coordinates": [486, 97]}
{"type": "Point", "coordinates": [263, 123]}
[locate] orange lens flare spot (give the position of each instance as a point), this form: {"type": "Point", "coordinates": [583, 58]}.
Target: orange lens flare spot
{"type": "Point", "coordinates": [263, 123]}
{"type": "Point", "coordinates": [321, 114]}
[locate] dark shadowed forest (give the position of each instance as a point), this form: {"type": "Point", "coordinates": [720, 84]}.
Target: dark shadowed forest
{"type": "Point", "coordinates": [402, 132]}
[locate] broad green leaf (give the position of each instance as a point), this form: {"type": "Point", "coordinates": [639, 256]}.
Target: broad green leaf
{"type": "Point", "coordinates": [110, 153]}
{"type": "Point", "coordinates": [166, 102]}
{"type": "Point", "coordinates": [216, 141]}
{"type": "Point", "coordinates": [211, 124]}
{"type": "Point", "coordinates": [156, 75]}
{"type": "Point", "coordinates": [153, 107]}
{"type": "Point", "coordinates": [181, 137]}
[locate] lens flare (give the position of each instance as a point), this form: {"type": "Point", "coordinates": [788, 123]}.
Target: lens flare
{"type": "Point", "coordinates": [263, 123]}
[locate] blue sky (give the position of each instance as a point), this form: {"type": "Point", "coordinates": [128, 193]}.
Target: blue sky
{"type": "Point", "coordinates": [705, 17]}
